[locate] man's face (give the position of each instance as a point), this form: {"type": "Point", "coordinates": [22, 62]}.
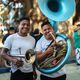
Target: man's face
{"type": "Point", "coordinates": [47, 29]}
{"type": "Point", "coordinates": [24, 27]}
{"type": "Point", "coordinates": [63, 29]}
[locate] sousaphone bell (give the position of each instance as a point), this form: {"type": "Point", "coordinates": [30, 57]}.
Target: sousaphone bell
{"type": "Point", "coordinates": [57, 10]}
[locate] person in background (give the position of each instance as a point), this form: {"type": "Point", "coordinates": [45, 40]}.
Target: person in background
{"type": "Point", "coordinates": [36, 34]}
{"type": "Point", "coordinates": [43, 51]}
{"type": "Point", "coordinates": [76, 37]}
{"type": "Point", "coordinates": [67, 29]}
{"type": "Point", "coordinates": [16, 45]}
{"type": "Point", "coordinates": [16, 10]}
{"type": "Point", "coordinates": [11, 30]}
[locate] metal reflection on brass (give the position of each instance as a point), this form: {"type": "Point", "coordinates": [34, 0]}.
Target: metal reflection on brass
{"type": "Point", "coordinates": [54, 59]}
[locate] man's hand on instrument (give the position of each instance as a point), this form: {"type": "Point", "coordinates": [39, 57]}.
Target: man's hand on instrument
{"type": "Point", "coordinates": [50, 50]}
{"type": "Point", "coordinates": [55, 44]}
{"type": "Point", "coordinates": [17, 62]}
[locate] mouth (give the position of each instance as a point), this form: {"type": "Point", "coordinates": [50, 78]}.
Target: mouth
{"type": "Point", "coordinates": [25, 29]}
{"type": "Point", "coordinates": [49, 33]}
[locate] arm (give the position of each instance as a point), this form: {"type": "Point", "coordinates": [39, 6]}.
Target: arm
{"type": "Point", "coordinates": [15, 61]}
{"type": "Point", "coordinates": [42, 55]}
{"type": "Point", "coordinates": [72, 43]}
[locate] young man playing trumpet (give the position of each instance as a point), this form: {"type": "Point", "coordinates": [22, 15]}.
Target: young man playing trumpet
{"type": "Point", "coordinates": [43, 51]}
{"type": "Point", "coordinates": [15, 46]}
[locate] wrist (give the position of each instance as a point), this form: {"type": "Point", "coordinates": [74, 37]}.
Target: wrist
{"type": "Point", "coordinates": [14, 61]}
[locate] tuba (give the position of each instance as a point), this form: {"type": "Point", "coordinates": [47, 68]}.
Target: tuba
{"type": "Point", "coordinates": [56, 11]}
{"type": "Point", "coordinates": [54, 61]}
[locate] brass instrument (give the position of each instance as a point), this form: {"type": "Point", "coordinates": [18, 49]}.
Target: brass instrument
{"type": "Point", "coordinates": [58, 54]}
{"type": "Point", "coordinates": [56, 11]}
{"type": "Point", "coordinates": [29, 57]}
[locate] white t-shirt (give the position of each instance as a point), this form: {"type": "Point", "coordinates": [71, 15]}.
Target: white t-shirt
{"type": "Point", "coordinates": [41, 45]}
{"type": "Point", "coordinates": [18, 45]}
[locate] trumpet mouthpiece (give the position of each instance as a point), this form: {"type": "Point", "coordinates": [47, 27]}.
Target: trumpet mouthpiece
{"type": "Point", "coordinates": [52, 35]}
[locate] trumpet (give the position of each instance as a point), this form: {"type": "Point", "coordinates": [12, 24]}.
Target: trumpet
{"type": "Point", "coordinates": [29, 57]}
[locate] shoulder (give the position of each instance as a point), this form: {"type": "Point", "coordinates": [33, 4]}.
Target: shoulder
{"type": "Point", "coordinates": [41, 40]}
{"type": "Point", "coordinates": [11, 37]}
{"type": "Point", "coordinates": [5, 36]}
{"type": "Point", "coordinates": [31, 38]}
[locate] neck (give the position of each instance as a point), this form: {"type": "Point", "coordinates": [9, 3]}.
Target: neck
{"type": "Point", "coordinates": [23, 35]}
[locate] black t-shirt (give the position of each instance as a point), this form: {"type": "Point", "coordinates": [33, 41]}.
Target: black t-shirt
{"type": "Point", "coordinates": [4, 37]}
{"type": "Point", "coordinates": [36, 36]}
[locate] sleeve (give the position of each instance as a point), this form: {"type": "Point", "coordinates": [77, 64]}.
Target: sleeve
{"type": "Point", "coordinates": [38, 46]}
{"type": "Point", "coordinates": [8, 42]}
{"type": "Point", "coordinates": [4, 38]}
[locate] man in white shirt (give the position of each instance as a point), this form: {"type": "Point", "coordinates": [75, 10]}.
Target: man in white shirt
{"type": "Point", "coordinates": [42, 51]}
{"type": "Point", "coordinates": [17, 44]}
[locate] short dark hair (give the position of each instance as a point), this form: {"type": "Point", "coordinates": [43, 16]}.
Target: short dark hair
{"type": "Point", "coordinates": [44, 23]}
{"type": "Point", "coordinates": [11, 28]}
{"type": "Point", "coordinates": [24, 18]}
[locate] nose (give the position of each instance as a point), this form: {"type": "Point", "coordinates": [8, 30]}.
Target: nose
{"type": "Point", "coordinates": [26, 26]}
{"type": "Point", "coordinates": [47, 31]}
